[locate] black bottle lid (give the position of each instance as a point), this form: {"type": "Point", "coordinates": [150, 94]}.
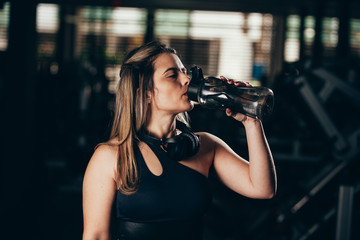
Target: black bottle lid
{"type": "Point", "coordinates": [195, 83]}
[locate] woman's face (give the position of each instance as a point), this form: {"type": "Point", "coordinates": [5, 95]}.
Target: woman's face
{"type": "Point", "coordinates": [170, 85]}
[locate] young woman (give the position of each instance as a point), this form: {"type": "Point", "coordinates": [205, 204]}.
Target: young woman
{"type": "Point", "coordinates": [153, 171]}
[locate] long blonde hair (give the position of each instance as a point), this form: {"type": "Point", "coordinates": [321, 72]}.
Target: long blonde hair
{"type": "Point", "coordinates": [132, 110]}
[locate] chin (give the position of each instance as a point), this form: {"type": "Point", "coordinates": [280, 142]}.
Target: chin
{"type": "Point", "coordinates": [191, 107]}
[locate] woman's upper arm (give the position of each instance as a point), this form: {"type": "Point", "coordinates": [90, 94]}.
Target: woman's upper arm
{"type": "Point", "coordinates": [98, 193]}
{"type": "Point", "coordinates": [231, 169]}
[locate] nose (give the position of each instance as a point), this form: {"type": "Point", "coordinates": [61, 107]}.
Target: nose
{"type": "Point", "coordinates": [185, 79]}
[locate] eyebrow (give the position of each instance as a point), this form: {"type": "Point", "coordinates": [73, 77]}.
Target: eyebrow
{"type": "Point", "coordinates": [174, 69]}
{"type": "Point", "coordinates": [171, 69]}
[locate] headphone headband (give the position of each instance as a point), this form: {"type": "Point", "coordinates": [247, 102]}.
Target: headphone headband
{"type": "Point", "coordinates": [179, 147]}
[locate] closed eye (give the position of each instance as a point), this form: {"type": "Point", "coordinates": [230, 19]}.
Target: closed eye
{"type": "Point", "coordinates": [175, 72]}
{"type": "Point", "coordinates": [173, 76]}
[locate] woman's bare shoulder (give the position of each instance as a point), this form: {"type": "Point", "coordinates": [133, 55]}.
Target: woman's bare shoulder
{"type": "Point", "coordinates": [110, 146]}
{"type": "Point", "coordinates": [105, 149]}
{"type": "Point", "coordinates": [210, 140]}
{"type": "Point", "coordinates": [100, 171]}
{"type": "Point", "coordinates": [105, 154]}
{"type": "Point", "coordinates": [207, 141]}
{"type": "Point", "coordinates": [208, 137]}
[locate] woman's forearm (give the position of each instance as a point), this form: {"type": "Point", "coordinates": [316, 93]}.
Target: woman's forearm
{"type": "Point", "coordinates": [261, 165]}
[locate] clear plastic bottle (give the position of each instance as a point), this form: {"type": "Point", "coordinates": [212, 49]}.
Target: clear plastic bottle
{"type": "Point", "coordinates": [214, 93]}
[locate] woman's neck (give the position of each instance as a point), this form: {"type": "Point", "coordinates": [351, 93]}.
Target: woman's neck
{"type": "Point", "coordinates": [161, 127]}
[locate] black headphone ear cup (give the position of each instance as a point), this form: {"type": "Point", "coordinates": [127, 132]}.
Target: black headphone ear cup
{"type": "Point", "coordinates": [176, 148]}
{"type": "Point", "coordinates": [192, 142]}
{"type": "Point", "coordinates": [182, 146]}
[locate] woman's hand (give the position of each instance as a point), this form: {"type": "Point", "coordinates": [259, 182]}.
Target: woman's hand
{"type": "Point", "coordinates": [237, 116]}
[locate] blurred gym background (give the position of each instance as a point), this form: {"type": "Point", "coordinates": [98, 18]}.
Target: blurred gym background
{"type": "Point", "coordinates": [60, 61]}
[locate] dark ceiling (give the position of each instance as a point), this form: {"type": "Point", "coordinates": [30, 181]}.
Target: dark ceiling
{"type": "Point", "coordinates": [310, 7]}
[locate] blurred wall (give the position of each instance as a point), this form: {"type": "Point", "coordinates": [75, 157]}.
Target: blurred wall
{"type": "Point", "coordinates": [57, 94]}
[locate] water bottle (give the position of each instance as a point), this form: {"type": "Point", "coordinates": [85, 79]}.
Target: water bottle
{"type": "Point", "coordinates": [214, 93]}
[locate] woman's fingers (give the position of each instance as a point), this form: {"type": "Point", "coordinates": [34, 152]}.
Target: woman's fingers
{"type": "Point", "coordinates": [237, 116]}
{"type": "Point", "coordinates": [229, 81]}
{"type": "Point", "coordinates": [248, 84]}
{"type": "Point", "coordinates": [236, 83]}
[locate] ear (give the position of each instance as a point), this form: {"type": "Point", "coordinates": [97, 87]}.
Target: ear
{"type": "Point", "coordinates": [149, 95]}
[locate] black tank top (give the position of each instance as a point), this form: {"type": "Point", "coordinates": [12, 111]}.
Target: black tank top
{"type": "Point", "coordinates": [180, 194]}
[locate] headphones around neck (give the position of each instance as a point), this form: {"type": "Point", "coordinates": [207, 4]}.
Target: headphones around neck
{"type": "Point", "coordinates": [180, 147]}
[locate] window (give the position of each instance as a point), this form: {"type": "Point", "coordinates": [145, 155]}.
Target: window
{"type": "Point", "coordinates": [330, 36]}
{"type": "Point", "coordinates": [355, 36]}
{"type": "Point", "coordinates": [4, 23]}
{"type": "Point", "coordinates": [107, 34]}
{"type": "Point", "coordinates": [292, 39]}
{"type": "Point", "coordinates": [233, 44]}
{"type": "Point", "coordinates": [47, 26]}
